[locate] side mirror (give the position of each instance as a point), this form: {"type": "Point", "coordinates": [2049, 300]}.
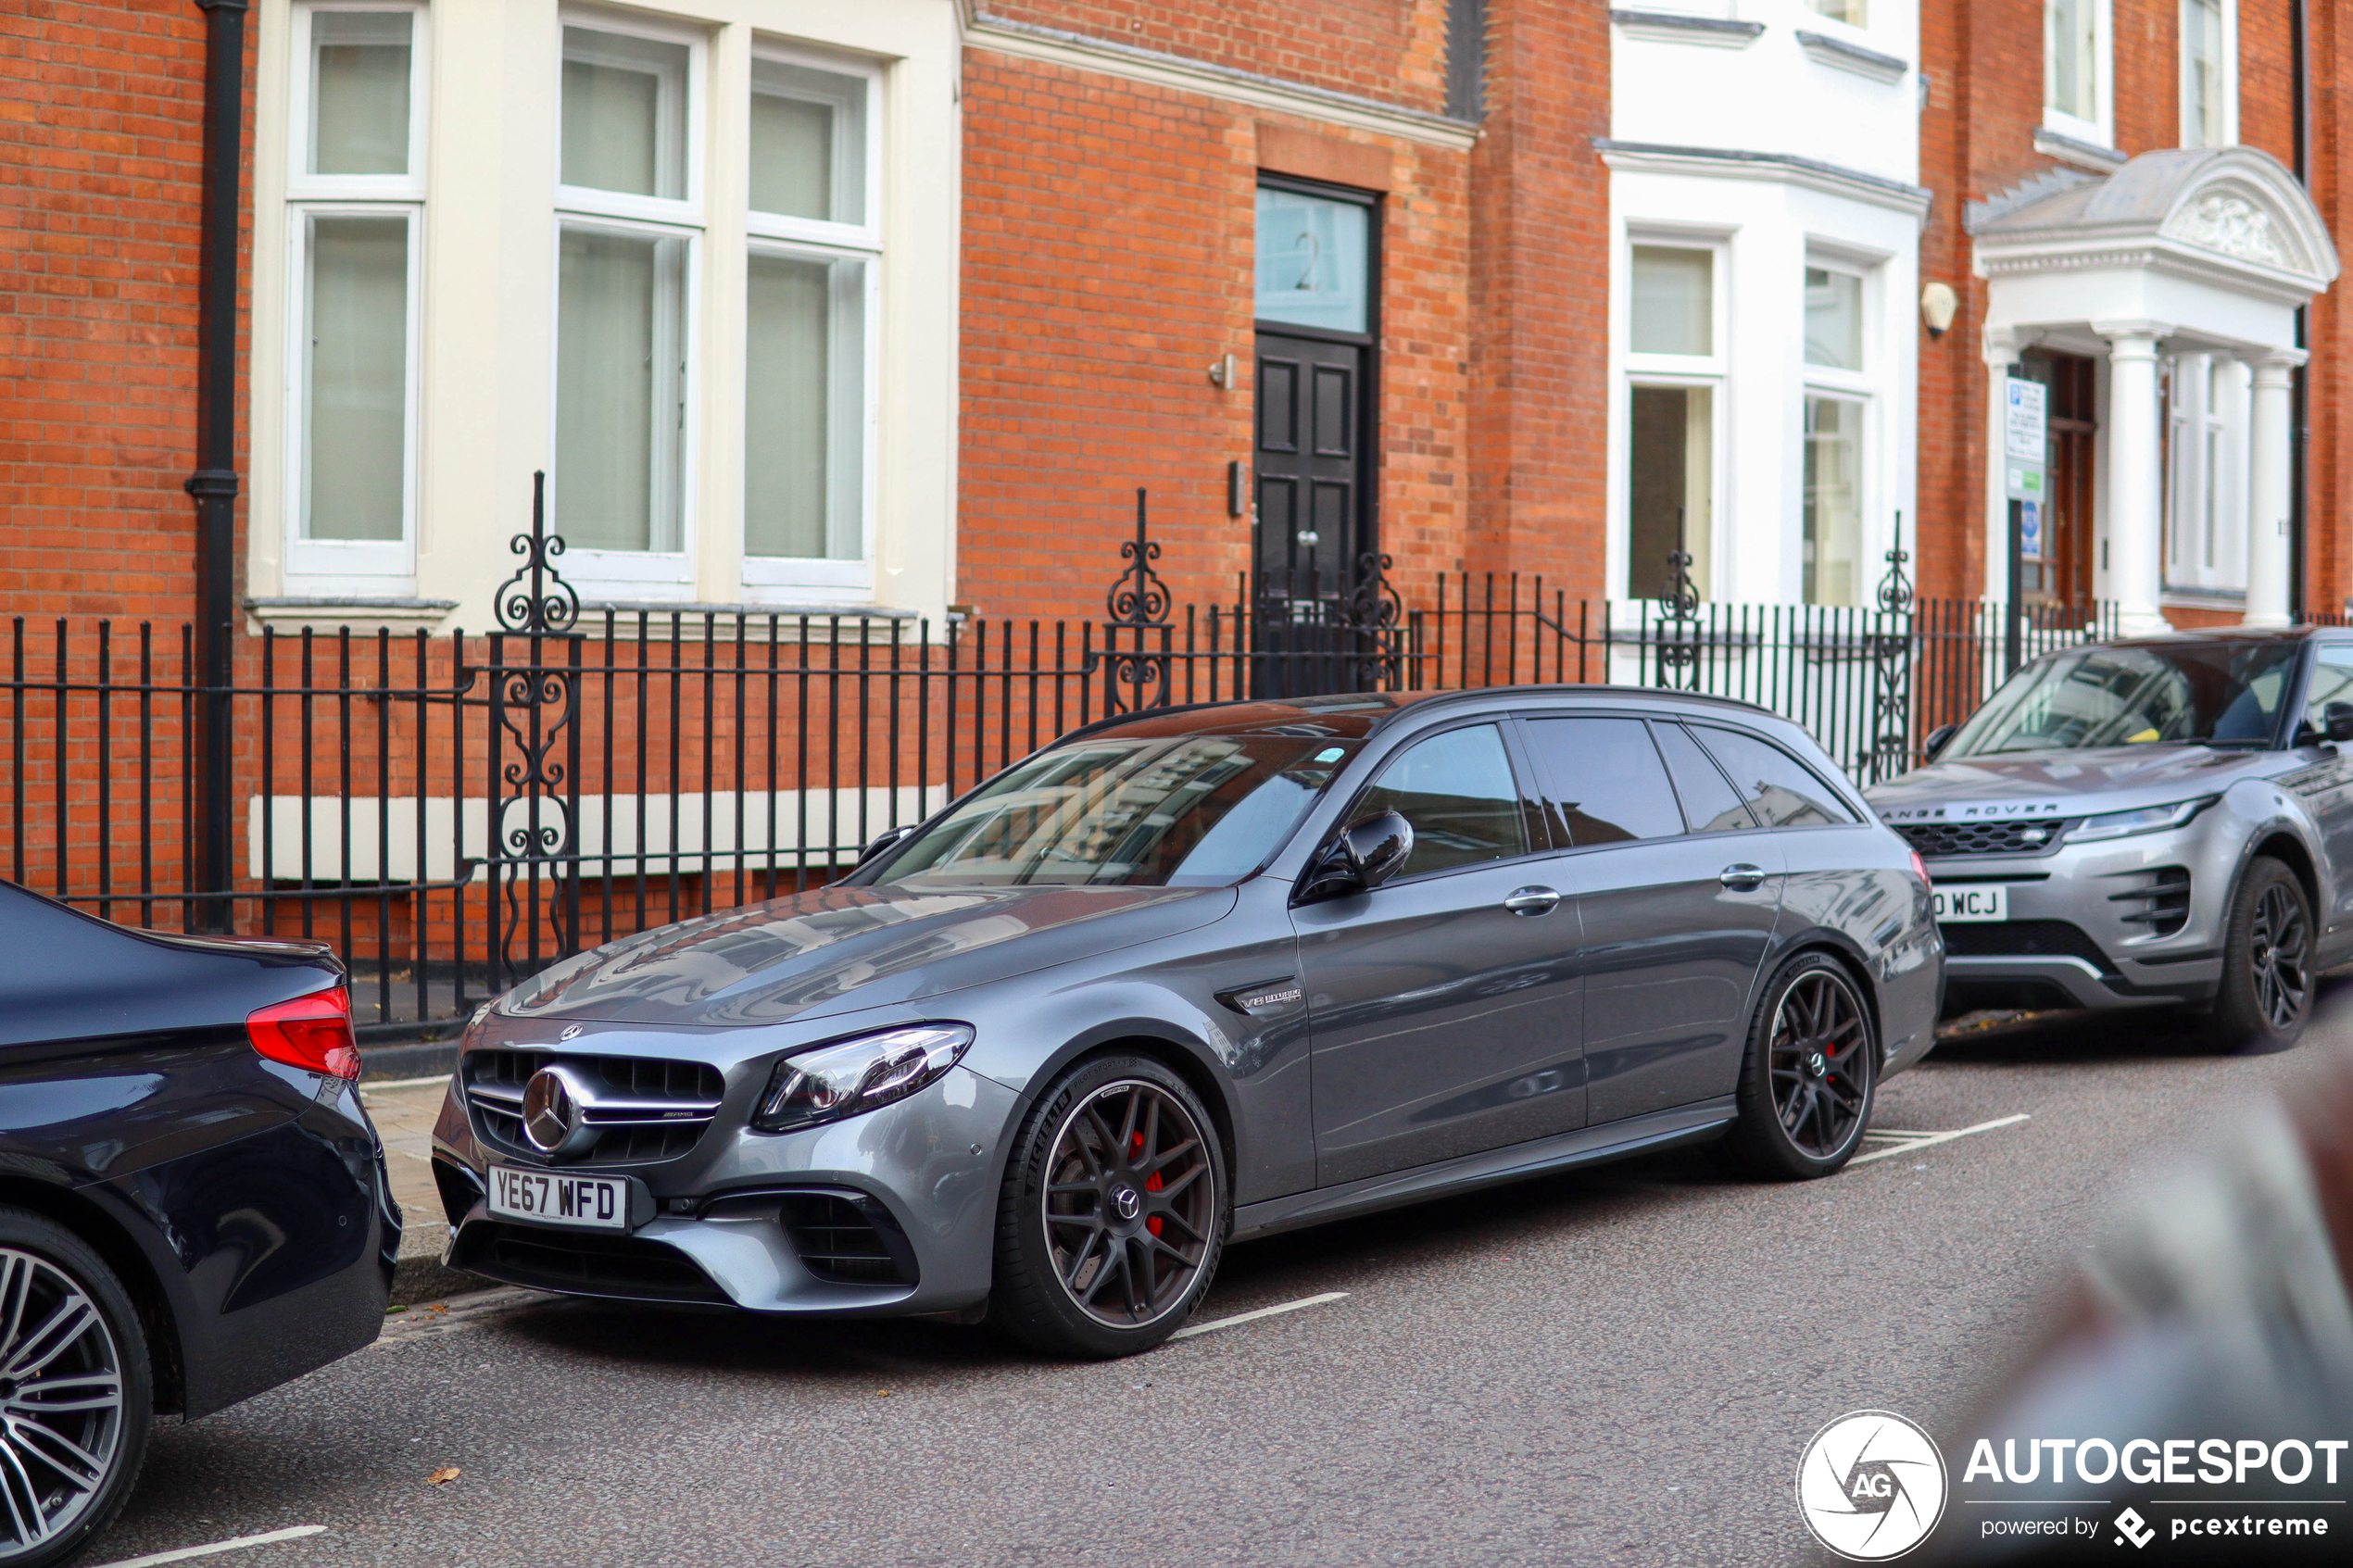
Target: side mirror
{"type": "Point", "coordinates": [1366, 854]}
{"type": "Point", "coordinates": [889, 839]}
{"type": "Point", "coordinates": [1938, 738]}
{"type": "Point", "coordinates": [2337, 720]}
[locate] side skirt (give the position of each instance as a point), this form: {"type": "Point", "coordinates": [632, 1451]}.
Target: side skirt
{"type": "Point", "coordinates": [1587, 1145]}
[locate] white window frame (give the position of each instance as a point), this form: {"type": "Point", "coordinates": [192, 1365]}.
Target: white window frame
{"type": "Point", "coordinates": [2100, 131]}
{"type": "Point", "coordinates": [669, 573]}
{"type": "Point", "coordinates": [333, 566]}
{"type": "Point", "coordinates": [2230, 81]}
{"type": "Point", "coordinates": [1863, 388]}
{"type": "Point", "coordinates": [2205, 484]}
{"type": "Point", "coordinates": [768, 234]}
{"type": "Point", "coordinates": [1711, 370]}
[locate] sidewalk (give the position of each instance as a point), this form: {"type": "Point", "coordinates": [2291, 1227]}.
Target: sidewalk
{"type": "Point", "coordinates": [404, 1112]}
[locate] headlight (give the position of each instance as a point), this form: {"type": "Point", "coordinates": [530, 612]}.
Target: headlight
{"type": "Point", "coordinates": [2149, 818]}
{"type": "Point", "coordinates": [827, 1083]}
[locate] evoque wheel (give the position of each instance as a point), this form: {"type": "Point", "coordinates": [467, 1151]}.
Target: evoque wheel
{"type": "Point", "coordinates": [75, 1398]}
{"type": "Point", "coordinates": [1114, 1213]}
{"type": "Point", "coordinates": [2266, 995]}
{"type": "Point", "coordinates": [1807, 1080]}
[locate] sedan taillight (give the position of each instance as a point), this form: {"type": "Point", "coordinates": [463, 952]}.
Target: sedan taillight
{"type": "Point", "coordinates": [1920, 868]}
{"type": "Point", "coordinates": [312, 1032]}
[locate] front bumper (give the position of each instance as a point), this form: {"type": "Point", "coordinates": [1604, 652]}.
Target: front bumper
{"type": "Point", "coordinates": [892, 1212]}
{"type": "Point", "coordinates": [2080, 932]}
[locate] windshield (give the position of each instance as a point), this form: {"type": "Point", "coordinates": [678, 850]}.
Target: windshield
{"type": "Point", "coordinates": [1176, 810]}
{"type": "Point", "coordinates": [2219, 692]}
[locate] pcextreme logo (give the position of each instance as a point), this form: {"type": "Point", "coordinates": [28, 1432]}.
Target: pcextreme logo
{"type": "Point", "coordinates": [1872, 1486]}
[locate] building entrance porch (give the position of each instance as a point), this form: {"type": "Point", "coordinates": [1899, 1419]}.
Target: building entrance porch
{"type": "Point", "coordinates": [2180, 258]}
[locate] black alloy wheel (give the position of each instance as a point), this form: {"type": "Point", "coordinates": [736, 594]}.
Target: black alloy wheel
{"type": "Point", "coordinates": [2266, 995]}
{"type": "Point", "coordinates": [1812, 1067]}
{"type": "Point", "coordinates": [74, 1394]}
{"type": "Point", "coordinates": [1113, 1215]}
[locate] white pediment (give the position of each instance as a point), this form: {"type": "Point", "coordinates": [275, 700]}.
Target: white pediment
{"type": "Point", "coordinates": [2236, 222]}
{"type": "Point", "coordinates": [2231, 216]}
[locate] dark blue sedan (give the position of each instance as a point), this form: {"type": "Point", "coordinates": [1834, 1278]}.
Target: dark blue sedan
{"type": "Point", "coordinates": [193, 1204]}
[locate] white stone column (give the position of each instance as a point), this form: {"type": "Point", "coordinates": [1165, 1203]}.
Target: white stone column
{"type": "Point", "coordinates": [2136, 513]}
{"type": "Point", "coordinates": [2000, 347]}
{"type": "Point", "coordinates": [2268, 439]}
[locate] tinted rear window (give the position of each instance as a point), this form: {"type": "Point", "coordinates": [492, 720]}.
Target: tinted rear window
{"type": "Point", "coordinates": [1606, 781]}
{"type": "Point", "coordinates": [1709, 805]}
{"type": "Point", "coordinates": [1783, 792]}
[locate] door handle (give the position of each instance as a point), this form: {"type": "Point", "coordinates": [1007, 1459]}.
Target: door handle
{"type": "Point", "coordinates": [1531, 901]}
{"type": "Point", "coordinates": [1741, 878]}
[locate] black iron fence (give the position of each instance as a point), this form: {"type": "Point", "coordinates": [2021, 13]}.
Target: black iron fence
{"type": "Point", "coordinates": [454, 812]}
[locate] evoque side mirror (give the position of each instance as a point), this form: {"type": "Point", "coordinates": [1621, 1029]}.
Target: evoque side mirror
{"type": "Point", "coordinates": [1938, 738]}
{"type": "Point", "coordinates": [1367, 853]}
{"type": "Point", "coordinates": [2337, 720]}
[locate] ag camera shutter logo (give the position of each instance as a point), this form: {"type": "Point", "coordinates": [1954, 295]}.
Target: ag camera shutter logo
{"type": "Point", "coordinates": [1872, 1486]}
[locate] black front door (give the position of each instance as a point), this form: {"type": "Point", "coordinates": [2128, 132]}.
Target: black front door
{"type": "Point", "coordinates": [1313, 458]}
{"type": "Point", "coordinates": [1310, 465]}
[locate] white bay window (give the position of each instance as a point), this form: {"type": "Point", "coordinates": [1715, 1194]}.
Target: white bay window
{"type": "Point", "coordinates": [355, 208]}
{"type": "Point", "coordinates": [629, 219]}
{"type": "Point", "coordinates": [809, 318]}
{"type": "Point", "coordinates": [1832, 569]}
{"type": "Point", "coordinates": [1675, 374]}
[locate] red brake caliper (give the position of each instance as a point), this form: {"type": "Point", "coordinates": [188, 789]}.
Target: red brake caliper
{"type": "Point", "coordinates": [1151, 1182]}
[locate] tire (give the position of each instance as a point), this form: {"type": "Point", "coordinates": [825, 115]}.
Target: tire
{"type": "Point", "coordinates": [2266, 996]}
{"type": "Point", "coordinates": [1809, 1074]}
{"type": "Point", "coordinates": [1115, 1212]}
{"type": "Point", "coordinates": [63, 1311]}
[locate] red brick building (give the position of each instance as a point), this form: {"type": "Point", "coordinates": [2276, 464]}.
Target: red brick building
{"type": "Point", "coordinates": [889, 308]}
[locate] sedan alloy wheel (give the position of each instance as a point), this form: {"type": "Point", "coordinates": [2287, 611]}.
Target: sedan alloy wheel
{"type": "Point", "coordinates": [62, 1412]}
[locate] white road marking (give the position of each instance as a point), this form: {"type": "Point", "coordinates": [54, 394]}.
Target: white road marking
{"type": "Point", "coordinates": [1240, 1318]}
{"type": "Point", "coordinates": [1912, 1141]}
{"type": "Point", "coordinates": [470, 1311]}
{"type": "Point", "coordinates": [239, 1543]}
{"type": "Point", "coordinates": [368, 1089]}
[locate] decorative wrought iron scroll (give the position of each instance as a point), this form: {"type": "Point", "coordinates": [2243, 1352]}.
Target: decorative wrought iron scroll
{"type": "Point", "coordinates": [533, 692]}
{"type": "Point", "coordinates": [1137, 673]}
{"type": "Point", "coordinates": [1679, 631]}
{"type": "Point", "coordinates": [1375, 615]}
{"type": "Point", "coordinates": [1890, 654]}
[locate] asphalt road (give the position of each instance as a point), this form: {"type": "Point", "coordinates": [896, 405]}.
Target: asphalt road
{"type": "Point", "coordinates": [1617, 1366]}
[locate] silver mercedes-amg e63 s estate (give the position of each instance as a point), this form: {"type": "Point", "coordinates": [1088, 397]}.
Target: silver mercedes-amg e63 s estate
{"type": "Point", "coordinates": [1197, 974]}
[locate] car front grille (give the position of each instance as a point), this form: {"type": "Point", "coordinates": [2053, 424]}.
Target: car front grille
{"type": "Point", "coordinates": [1937, 840]}
{"type": "Point", "coordinates": [648, 1108]}
{"type": "Point", "coordinates": [598, 1265]}
{"type": "Point", "coordinates": [2024, 939]}
{"type": "Point", "coordinates": [848, 1238]}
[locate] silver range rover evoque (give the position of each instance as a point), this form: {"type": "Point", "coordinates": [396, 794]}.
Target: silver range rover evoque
{"type": "Point", "coordinates": [2161, 821]}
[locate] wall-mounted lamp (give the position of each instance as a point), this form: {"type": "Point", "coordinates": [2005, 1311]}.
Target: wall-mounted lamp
{"type": "Point", "coordinates": [1221, 372]}
{"type": "Point", "coordinates": [1939, 305]}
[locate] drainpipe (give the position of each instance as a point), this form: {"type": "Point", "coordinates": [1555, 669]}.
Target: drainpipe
{"type": "Point", "coordinates": [214, 483]}
{"type": "Point", "coordinates": [2299, 393]}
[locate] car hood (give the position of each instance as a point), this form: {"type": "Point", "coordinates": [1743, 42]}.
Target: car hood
{"type": "Point", "coordinates": [836, 949]}
{"type": "Point", "coordinates": [2064, 784]}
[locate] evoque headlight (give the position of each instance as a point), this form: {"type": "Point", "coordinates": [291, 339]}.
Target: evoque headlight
{"type": "Point", "coordinates": [2149, 818]}
{"type": "Point", "coordinates": [827, 1083]}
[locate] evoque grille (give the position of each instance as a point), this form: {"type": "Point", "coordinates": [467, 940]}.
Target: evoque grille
{"type": "Point", "coordinates": [648, 1108]}
{"type": "Point", "coordinates": [2037, 836]}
